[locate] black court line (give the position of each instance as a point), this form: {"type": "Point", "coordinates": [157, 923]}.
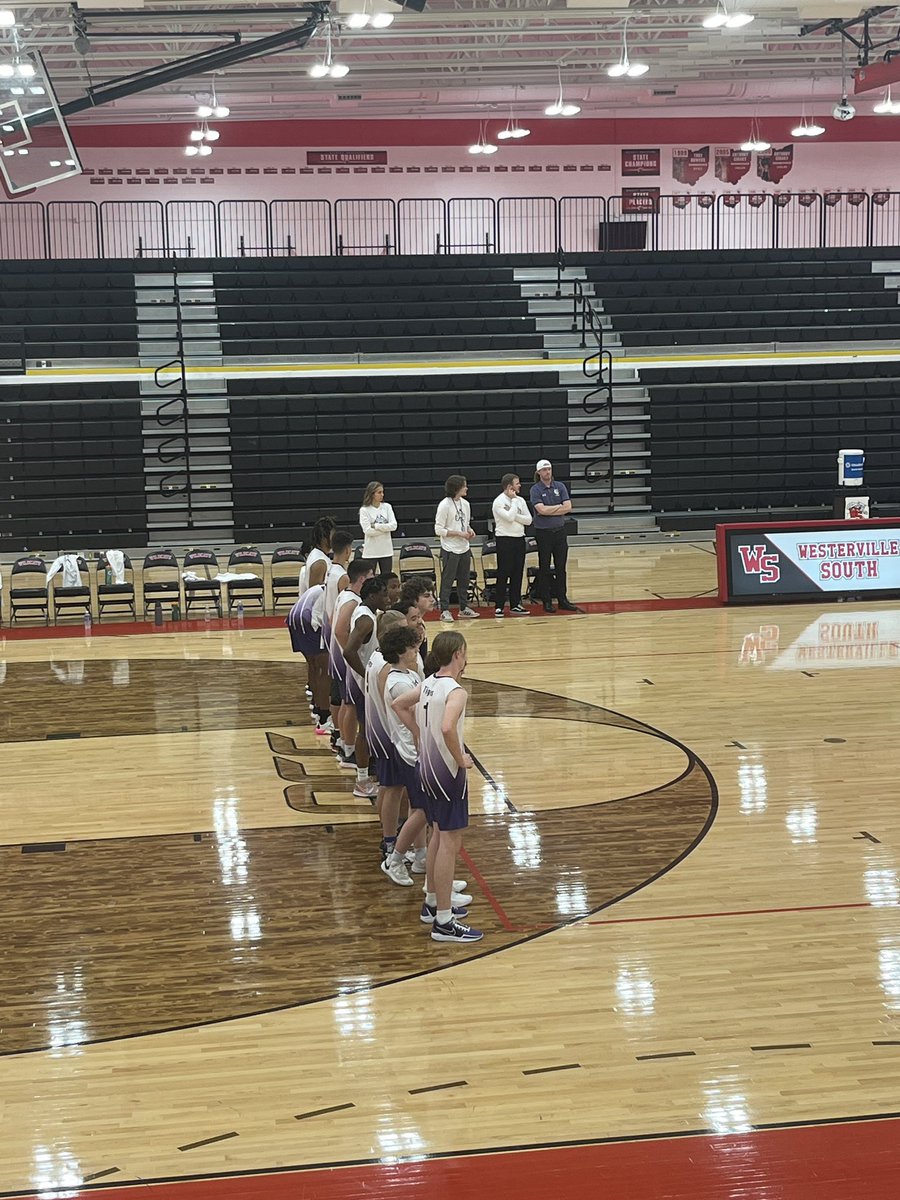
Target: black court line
{"type": "Point", "coordinates": [485, 774]}
{"type": "Point", "coordinates": [198, 837]}
{"type": "Point", "coordinates": [101, 1174]}
{"type": "Point", "coordinates": [668, 1054]}
{"type": "Point", "coordinates": [220, 1137]}
{"type": "Point", "coordinates": [320, 1112]}
{"type": "Point", "coordinates": [892, 1042]}
{"type": "Point", "coordinates": [437, 1087]}
{"type": "Point", "coordinates": [864, 835]}
{"type": "Point", "coordinates": [786, 1046]}
{"type": "Point", "coordinates": [43, 848]}
{"type": "Point", "coordinates": [547, 1070]}
{"type": "Point", "coordinates": [58, 737]}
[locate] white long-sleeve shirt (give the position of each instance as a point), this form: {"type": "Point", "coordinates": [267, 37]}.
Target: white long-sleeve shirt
{"type": "Point", "coordinates": [377, 525]}
{"type": "Point", "coordinates": [511, 515]}
{"type": "Point", "coordinates": [451, 522]}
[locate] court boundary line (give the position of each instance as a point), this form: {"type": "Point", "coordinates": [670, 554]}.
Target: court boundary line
{"type": "Point", "coordinates": [449, 1155]}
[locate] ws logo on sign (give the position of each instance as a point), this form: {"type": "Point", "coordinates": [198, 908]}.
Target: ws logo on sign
{"type": "Point", "coordinates": [758, 561]}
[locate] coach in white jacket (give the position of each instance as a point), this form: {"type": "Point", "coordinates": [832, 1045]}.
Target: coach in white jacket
{"type": "Point", "coordinates": [511, 517]}
{"type": "Point", "coordinates": [453, 525]}
{"type": "Point", "coordinates": [377, 521]}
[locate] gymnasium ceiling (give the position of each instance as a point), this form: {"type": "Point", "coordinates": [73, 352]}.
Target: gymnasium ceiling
{"type": "Point", "coordinates": [461, 58]}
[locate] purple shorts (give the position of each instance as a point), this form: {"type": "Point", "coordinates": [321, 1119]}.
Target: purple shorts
{"type": "Point", "coordinates": [355, 695]}
{"type": "Point", "coordinates": [409, 777]}
{"type": "Point", "coordinates": [447, 813]}
{"type": "Point", "coordinates": [305, 641]}
{"type": "Point", "coordinates": [386, 770]}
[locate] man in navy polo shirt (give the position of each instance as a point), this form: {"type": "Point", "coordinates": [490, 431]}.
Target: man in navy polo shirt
{"type": "Point", "coordinates": [551, 504]}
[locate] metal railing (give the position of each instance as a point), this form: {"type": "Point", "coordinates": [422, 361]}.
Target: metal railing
{"type": "Point", "coordinates": [60, 229]}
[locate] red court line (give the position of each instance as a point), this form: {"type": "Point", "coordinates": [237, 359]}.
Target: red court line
{"type": "Point", "coordinates": [489, 895]}
{"type": "Point", "coordinates": [126, 628]}
{"type": "Point", "coordinates": [704, 916]}
{"type": "Point", "coordinates": [840, 1159]}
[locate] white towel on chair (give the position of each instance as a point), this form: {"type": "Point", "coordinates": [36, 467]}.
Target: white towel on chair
{"type": "Point", "coordinates": [68, 564]}
{"type": "Point", "coordinates": [116, 560]}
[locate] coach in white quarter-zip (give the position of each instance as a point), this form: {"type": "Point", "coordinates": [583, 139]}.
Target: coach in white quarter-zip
{"type": "Point", "coordinates": [511, 516]}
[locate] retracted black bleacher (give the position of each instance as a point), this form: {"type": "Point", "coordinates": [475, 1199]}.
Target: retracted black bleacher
{"type": "Point", "coordinates": [306, 446]}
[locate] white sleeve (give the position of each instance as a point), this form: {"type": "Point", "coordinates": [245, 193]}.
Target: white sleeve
{"type": "Point", "coordinates": [521, 513]}
{"type": "Point", "coordinates": [498, 510]}
{"type": "Point", "coordinates": [440, 519]}
{"type": "Point", "coordinates": [392, 520]}
{"type": "Point", "coordinates": [365, 521]}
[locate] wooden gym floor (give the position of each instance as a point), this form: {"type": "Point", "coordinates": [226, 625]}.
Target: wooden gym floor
{"type": "Point", "coordinates": [684, 854]}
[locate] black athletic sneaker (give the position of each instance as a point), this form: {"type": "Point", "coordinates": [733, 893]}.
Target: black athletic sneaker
{"type": "Point", "coordinates": [455, 932]}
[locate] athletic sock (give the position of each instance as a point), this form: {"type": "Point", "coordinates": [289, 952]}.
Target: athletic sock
{"type": "Point", "coordinates": [395, 858]}
{"type": "Point", "coordinates": [444, 916]}
{"type": "Point", "coordinates": [431, 899]}
{"type": "Point", "coordinates": [362, 774]}
{"type": "Point", "coordinates": [389, 843]}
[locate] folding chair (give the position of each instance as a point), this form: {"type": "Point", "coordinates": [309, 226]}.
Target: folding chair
{"type": "Point", "coordinates": [28, 588]}
{"type": "Point", "coordinates": [419, 553]}
{"type": "Point", "coordinates": [161, 579]}
{"type": "Point", "coordinates": [246, 559]}
{"type": "Point", "coordinates": [489, 571]}
{"type": "Point", "coordinates": [114, 595]}
{"type": "Point", "coordinates": [207, 588]}
{"type": "Point", "coordinates": [285, 586]}
{"type": "Point", "coordinates": [75, 596]}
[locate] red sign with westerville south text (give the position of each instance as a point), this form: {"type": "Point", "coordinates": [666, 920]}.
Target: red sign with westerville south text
{"type": "Point", "coordinates": [640, 162]}
{"type": "Point", "coordinates": [346, 158]}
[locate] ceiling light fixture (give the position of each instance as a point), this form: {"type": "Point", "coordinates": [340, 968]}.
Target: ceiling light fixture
{"type": "Point", "coordinates": [513, 129]}
{"type": "Point", "coordinates": [807, 128]}
{"type": "Point", "coordinates": [625, 66]}
{"type": "Point", "coordinates": [328, 66]}
{"type": "Point", "coordinates": [887, 106]}
{"type": "Point", "coordinates": [721, 18]}
{"type": "Point", "coordinates": [559, 108]}
{"type": "Point", "coordinates": [482, 146]}
{"type": "Point", "coordinates": [755, 141]}
{"type": "Point", "coordinates": [7, 18]}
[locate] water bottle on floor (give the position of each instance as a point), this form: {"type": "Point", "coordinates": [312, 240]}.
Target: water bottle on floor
{"type": "Point", "coordinates": [88, 622]}
{"type": "Point", "coordinates": [240, 615]}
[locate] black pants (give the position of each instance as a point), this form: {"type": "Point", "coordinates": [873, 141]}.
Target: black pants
{"type": "Point", "coordinates": [552, 543]}
{"type": "Point", "coordinates": [381, 566]}
{"type": "Point", "coordinates": [455, 569]}
{"type": "Point", "coordinates": [510, 565]}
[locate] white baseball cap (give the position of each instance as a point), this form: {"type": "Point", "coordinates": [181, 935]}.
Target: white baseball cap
{"type": "Point", "coordinates": [543, 463]}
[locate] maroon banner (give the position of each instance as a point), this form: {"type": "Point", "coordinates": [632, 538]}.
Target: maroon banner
{"type": "Point", "coordinates": [856, 198]}
{"type": "Point", "coordinates": [706, 200]}
{"type": "Point", "coordinates": [731, 199]}
{"type": "Point", "coordinates": [833, 199]}
{"type": "Point", "coordinates": [688, 166]}
{"type": "Point", "coordinates": [640, 162]}
{"type": "Point", "coordinates": [731, 165]}
{"type": "Point", "coordinates": [640, 200]}
{"type": "Point", "coordinates": [756, 199]}
{"type": "Point", "coordinates": [772, 166]}
{"type": "Point", "coordinates": [880, 198]}
{"type": "Point", "coordinates": [681, 201]}
{"type": "Point", "coordinates": [782, 199]}
{"type": "Point", "coordinates": [807, 199]}
{"type": "Point", "coordinates": [353, 158]}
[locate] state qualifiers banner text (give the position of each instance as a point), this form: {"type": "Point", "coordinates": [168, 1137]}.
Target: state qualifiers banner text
{"type": "Point", "coordinates": [808, 559]}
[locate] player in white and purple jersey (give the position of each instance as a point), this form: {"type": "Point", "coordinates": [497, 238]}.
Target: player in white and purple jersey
{"type": "Point", "coordinates": [435, 713]}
